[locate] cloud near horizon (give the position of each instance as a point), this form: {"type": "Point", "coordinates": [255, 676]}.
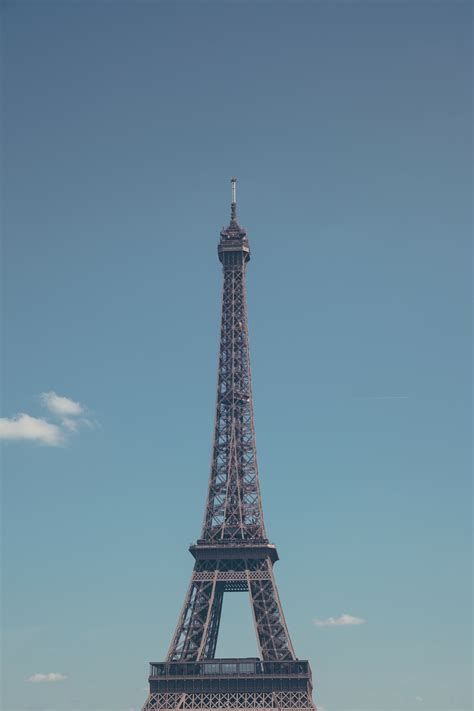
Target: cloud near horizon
{"type": "Point", "coordinates": [52, 676]}
{"type": "Point", "coordinates": [342, 621]}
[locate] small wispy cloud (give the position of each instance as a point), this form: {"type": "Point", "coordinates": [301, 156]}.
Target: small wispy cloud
{"type": "Point", "coordinates": [60, 405]}
{"type": "Point", "coordinates": [34, 429]}
{"type": "Point", "coordinates": [70, 424]}
{"type": "Point", "coordinates": [342, 621]}
{"type": "Point", "coordinates": [419, 699]}
{"type": "Point", "coordinates": [52, 676]}
{"type": "Point", "coordinates": [69, 411]}
{"type": "Point", "coordinates": [74, 424]}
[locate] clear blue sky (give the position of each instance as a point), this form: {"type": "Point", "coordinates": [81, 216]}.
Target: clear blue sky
{"type": "Point", "coordinates": [348, 125]}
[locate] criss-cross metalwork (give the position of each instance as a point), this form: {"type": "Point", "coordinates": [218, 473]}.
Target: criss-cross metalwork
{"type": "Point", "coordinates": [234, 510]}
{"type": "Point", "coordinates": [195, 638]}
{"type": "Point", "coordinates": [233, 553]}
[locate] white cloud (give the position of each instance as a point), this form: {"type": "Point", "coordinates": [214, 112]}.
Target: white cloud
{"type": "Point", "coordinates": [52, 676]}
{"type": "Point", "coordinates": [37, 429]}
{"type": "Point", "coordinates": [342, 621]}
{"type": "Point", "coordinates": [60, 405]}
{"type": "Point", "coordinates": [419, 699]}
{"type": "Point", "coordinates": [25, 427]}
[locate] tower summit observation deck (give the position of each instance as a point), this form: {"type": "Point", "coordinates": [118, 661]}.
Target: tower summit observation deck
{"type": "Point", "coordinates": [233, 553]}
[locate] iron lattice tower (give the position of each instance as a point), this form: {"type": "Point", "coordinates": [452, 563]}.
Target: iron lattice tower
{"type": "Point", "coordinates": [233, 553]}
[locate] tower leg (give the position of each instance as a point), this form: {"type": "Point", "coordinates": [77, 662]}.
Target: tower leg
{"type": "Point", "coordinates": [213, 629]}
{"type": "Point", "coordinates": [272, 632]}
{"type": "Point", "coordinates": [196, 633]}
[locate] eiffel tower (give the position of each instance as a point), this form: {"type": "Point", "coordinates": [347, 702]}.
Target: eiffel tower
{"type": "Point", "coordinates": [233, 553]}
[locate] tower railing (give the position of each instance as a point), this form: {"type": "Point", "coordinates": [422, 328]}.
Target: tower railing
{"type": "Point", "coordinates": [229, 667]}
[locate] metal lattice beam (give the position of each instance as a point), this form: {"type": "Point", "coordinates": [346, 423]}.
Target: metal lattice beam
{"type": "Point", "coordinates": [234, 509]}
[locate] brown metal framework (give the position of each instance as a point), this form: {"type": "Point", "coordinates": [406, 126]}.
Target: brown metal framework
{"type": "Point", "coordinates": [233, 553]}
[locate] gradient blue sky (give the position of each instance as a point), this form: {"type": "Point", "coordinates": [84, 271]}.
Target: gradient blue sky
{"type": "Point", "coordinates": [348, 125]}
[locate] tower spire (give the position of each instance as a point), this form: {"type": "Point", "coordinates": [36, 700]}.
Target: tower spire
{"type": "Point", "coordinates": [233, 204]}
{"type": "Point", "coordinates": [234, 231]}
